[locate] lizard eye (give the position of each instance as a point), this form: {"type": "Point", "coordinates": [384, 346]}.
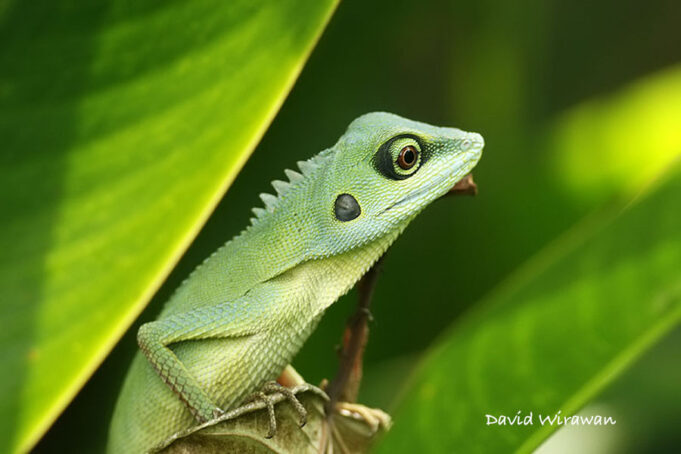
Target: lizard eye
{"type": "Point", "coordinates": [407, 157]}
{"type": "Point", "coordinates": [400, 157]}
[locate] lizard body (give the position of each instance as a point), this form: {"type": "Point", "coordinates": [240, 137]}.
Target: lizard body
{"type": "Point", "coordinates": [239, 319]}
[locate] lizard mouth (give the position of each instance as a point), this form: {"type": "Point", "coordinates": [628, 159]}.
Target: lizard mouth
{"type": "Point", "coordinates": [411, 196]}
{"type": "Point", "coordinates": [424, 190]}
{"type": "Point", "coordinates": [457, 174]}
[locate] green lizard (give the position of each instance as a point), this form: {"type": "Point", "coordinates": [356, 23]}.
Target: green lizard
{"type": "Point", "coordinates": [238, 320]}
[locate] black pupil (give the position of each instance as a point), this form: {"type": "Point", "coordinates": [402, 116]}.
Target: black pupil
{"type": "Point", "coordinates": [409, 156]}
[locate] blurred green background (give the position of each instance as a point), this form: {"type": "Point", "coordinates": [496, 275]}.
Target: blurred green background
{"type": "Point", "coordinates": [580, 106]}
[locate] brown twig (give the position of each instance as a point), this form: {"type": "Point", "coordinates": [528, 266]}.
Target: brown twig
{"type": "Point", "coordinates": [345, 385]}
{"type": "Point", "coordinates": [465, 186]}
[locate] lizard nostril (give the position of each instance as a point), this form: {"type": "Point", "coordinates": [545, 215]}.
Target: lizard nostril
{"type": "Point", "coordinates": [477, 140]}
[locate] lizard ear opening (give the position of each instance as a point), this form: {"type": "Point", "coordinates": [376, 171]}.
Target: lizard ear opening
{"type": "Point", "coordinates": [346, 208]}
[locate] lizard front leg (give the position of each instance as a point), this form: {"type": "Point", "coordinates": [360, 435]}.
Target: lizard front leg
{"type": "Point", "coordinates": [154, 339]}
{"type": "Point", "coordinates": [153, 342]}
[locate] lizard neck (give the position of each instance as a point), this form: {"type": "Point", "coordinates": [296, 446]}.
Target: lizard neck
{"type": "Point", "coordinates": [332, 277]}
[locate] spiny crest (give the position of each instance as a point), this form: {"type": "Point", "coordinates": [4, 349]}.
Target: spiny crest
{"type": "Point", "coordinates": [269, 200]}
{"type": "Point", "coordinates": [307, 168]}
{"type": "Point", "coordinates": [293, 176]}
{"type": "Point", "coordinates": [281, 187]}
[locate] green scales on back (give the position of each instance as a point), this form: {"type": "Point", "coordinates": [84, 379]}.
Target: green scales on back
{"type": "Point", "coordinates": [239, 319]}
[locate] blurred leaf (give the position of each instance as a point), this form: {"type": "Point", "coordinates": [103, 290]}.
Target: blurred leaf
{"type": "Point", "coordinates": [647, 399]}
{"type": "Point", "coordinates": [614, 145]}
{"type": "Point", "coordinates": [560, 330]}
{"type": "Point", "coordinates": [122, 124]}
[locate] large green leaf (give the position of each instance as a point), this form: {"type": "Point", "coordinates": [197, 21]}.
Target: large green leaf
{"type": "Point", "coordinates": [555, 334]}
{"type": "Point", "coordinates": [121, 125]}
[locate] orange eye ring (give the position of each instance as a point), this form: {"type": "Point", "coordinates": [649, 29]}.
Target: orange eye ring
{"type": "Point", "coordinates": [408, 157]}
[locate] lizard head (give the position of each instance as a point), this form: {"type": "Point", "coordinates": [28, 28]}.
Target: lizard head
{"type": "Point", "coordinates": [385, 169]}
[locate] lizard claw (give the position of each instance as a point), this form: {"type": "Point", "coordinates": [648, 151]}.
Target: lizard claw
{"type": "Point", "coordinates": [266, 395]}
{"type": "Point", "coordinates": [274, 387]}
{"type": "Point", "coordinates": [217, 412]}
{"type": "Point", "coordinates": [373, 417]}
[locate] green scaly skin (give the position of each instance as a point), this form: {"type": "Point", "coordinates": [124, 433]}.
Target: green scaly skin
{"type": "Point", "coordinates": [239, 319]}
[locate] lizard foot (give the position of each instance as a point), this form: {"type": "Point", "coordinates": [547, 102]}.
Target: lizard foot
{"type": "Point", "coordinates": [217, 412]}
{"type": "Point", "coordinates": [373, 417]}
{"type": "Point", "coordinates": [268, 396]}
